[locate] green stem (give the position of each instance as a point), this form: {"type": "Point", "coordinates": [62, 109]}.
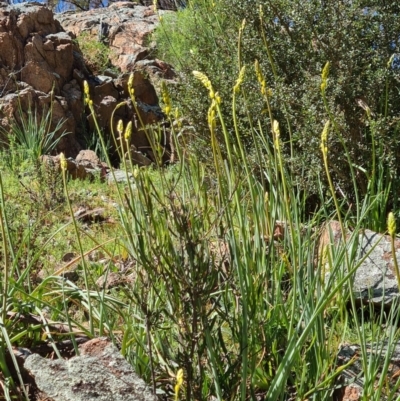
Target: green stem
{"type": "Point", "coordinates": [78, 238]}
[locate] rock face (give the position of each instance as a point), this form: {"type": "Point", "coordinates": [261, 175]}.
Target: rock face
{"type": "Point", "coordinates": [42, 68]}
{"type": "Point", "coordinates": [100, 373]}
{"type": "Point", "coordinates": [123, 26]}
{"type": "Point", "coordinates": [36, 61]}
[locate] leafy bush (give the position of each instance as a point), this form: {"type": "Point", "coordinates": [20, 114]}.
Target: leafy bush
{"type": "Point", "coordinates": [292, 42]}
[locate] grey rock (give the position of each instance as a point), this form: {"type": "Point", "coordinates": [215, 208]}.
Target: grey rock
{"type": "Point", "coordinates": [375, 279]}
{"type": "Point", "coordinates": [100, 373]}
{"type": "Point", "coordinates": [119, 176]}
{"type": "Point", "coordinates": [351, 382]}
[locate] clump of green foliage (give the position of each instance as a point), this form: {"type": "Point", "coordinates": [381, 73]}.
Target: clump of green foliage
{"type": "Point", "coordinates": [95, 53]}
{"type": "Point", "coordinates": [292, 42]}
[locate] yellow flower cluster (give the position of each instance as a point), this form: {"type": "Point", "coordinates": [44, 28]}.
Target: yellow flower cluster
{"type": "Point", "coordinates": [120, 127]}
{"type": "Point", "coordinates": [206, 82]}
{"type": "Point", "coordinates": [131, 89]}
{"type": "Point", "coordinates": [277, 134]}
{"type": "Point", "coordinates": [128, 131]}
{"type": "Point", "coordinates": [179, 382]}
{"type": "Point", "coordinates": [391, 223]}
{"type": "Point", "coordinates": [166, 99]}
{"type": "Point", "coordinates": [324, 77]}
{"type": "Point", "coordinates": [261, 80]}
{"type": "Point", "coordinates": [216, 100]}
{"type": "Point", "coordinates": [240, 79]}
{"type": "Point", "coordinates": [63, 162]}
{"type": "Point", "coordinates": [86, 94]}
{"type": "Point", "coordinates": [324, 139]}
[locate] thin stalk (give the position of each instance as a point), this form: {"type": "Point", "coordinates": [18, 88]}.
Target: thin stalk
{"type": "Point", "coordinates": [78, 238]}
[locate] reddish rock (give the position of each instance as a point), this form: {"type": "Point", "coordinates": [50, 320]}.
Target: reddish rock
{"type": "Point", "coordinates": [43, 69]}
{"type": "Point", "coordinates": [124, 26]}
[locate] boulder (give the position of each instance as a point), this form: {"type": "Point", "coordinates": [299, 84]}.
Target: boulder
{"type": "Point", "coordinates": [99, 373]}
{"type": "Point", "coordinates": [375, 279]}
{"type": "Point", "coordinates": [350, 385]}
{"type": "Point", "coordinates": [79, 168]}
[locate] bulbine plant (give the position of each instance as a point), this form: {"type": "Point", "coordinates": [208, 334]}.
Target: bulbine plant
{"type": "Point", "coordinates": [241, 311]}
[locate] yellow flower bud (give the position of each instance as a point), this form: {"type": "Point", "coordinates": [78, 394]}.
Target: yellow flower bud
{"type": "Point", "coordinates": [86, 88]}
{"type": "Point", "coordinates": [240, 79]}
{"type": "Point", "coordinates": [166, 99]}
{"type": "Point", "coordinates": [63, 162]}
{"type": "Point", "coordinates": [324, 77]}
{"type": "Point", "coordinates": [130, 82]}
{"type": "Point", "coordinates": [391, 223]}
{"type": "Point", "coordinates": [324, 139]}
{"type": "Point", "coordinates": [325, 71]}
{"type": "Point", "coordinates": [179, 382]}
{"type": "Point", "coordinates": [120, 127]}
{"type": "Point", "coordinates": [389, 63]}
{"type": "Point", "coordinates": [211, 117]}
{"type": "Point", "coordinates": [275, 129]}
{"type": "Point", "coordinates": [128, 131]}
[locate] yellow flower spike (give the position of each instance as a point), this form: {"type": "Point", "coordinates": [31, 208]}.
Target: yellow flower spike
{"type": "Point", "coordinates": [261, 79]}
{"type": "Point", "coordinates": [130, 82]}
{"type": "Point", "coordinates": [63, 162]}
{"type": "Point", "coordinates": [324, 77]}
{"type": "Point", "coordinates": [205, 81]}
{"type": "Point", "coordinates": [179, 382]}
{"type": "Point", "coordinates": [86, 88]}
{"type": "Point", "coordinates": [211, 117]}
{"type": "Point", "coordinates": [324, 139]}
{"type": "Point", "coordinates": [275, 129]}
{"type": "Point", "coordinates": [277, 133]}
{"type": "Point", "coordinates": [391, 223]}
{"type": "Point", "coordinates": [136, 173]}
{"type": "Point", "coordinates": [120, 127]}
{"type": "Point", "coordinates": [166, 99]}
{"type": "Point", "coordinates": [240, 79]}
{"type": "Point", "coordinates": [128, 131]}
{"type": "Point", "coordinates": [389, 63]}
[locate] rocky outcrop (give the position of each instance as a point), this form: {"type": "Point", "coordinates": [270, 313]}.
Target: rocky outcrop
{"type": "Point", "coordinates": [124, 26]}
{"type": "Point", "coordinates": [36, 61]}
{"type": "Point", "coordinates": [42, 68]}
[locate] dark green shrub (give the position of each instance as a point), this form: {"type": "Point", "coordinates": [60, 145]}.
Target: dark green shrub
{"type": "Point", "coordinates": [292, 42]}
